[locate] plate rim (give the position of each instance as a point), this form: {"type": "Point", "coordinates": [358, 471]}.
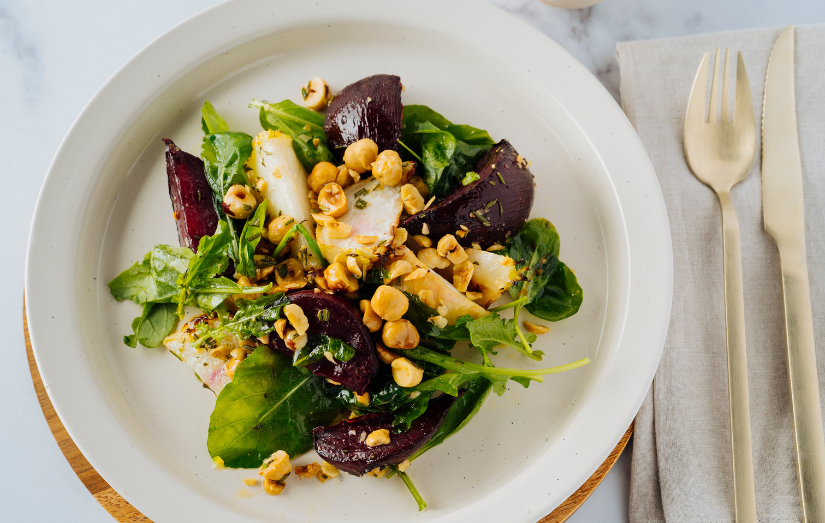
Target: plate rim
{"type": "Point", "coordinates": [529, 33]}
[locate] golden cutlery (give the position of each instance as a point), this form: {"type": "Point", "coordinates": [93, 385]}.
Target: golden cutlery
{"type": "Point", "coordinates": [720, 154]}
{"type": "Point", "coordinates": [784, 215]}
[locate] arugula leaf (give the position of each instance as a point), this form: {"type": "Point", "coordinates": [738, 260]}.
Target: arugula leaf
{"type": "Point", "coordinates": [490, 331]}
{"type": "Point", "coordinates": [154, 324]}
{"type": "Point", "coordinates": [498, 376]}
{"type": "Point", "coordinates": [250, 236]}
{"type": "Point", "coordinates": [254, 319]}
{"type": "Point", "coordinates": [560, 298]}
{"type": "Point", "coordinates": [269, 405]}
{"type": "Point", "coordinates": [211, 121]}
{"type": "Point", "coordinates": [224, 155]}
{"type": "Point", "coordinates": [304, 126]}
{"type": "Point", "coordinates": [319, 344]}
{"type": "Point", "coordinates": [446, 151]}
{"type": "Point", "coordinates": [212, 259]}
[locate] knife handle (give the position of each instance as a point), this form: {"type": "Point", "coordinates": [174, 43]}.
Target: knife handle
{"type": "Point", "coordinates": [744, 490]}
{"type": "Point", "coordinates": [804, 385]}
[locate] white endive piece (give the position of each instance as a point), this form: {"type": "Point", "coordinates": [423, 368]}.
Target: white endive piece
{"type": "Point", "coordinates": [273, 159]}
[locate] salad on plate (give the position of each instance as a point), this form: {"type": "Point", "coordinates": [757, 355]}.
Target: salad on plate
{"type": "Point", "coordinates": [336, 259]}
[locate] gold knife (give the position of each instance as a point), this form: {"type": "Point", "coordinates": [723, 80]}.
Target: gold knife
{"type": "Point", "coordinates": [784, 215]}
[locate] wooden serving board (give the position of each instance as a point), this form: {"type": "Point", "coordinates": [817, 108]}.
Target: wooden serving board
{"type": "Point", "coordinates": [122, 511]}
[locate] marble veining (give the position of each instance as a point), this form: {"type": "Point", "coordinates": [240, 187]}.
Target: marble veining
{"type": "Point", "coordinates": [20, 46]}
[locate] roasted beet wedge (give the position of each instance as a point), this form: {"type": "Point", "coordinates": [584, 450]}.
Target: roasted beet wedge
{"type": "Point", "coordinates": [369, 108]}
{"type": "Point", "coordinates": [493, 208]}
{"type": "Point", "coordinates": [345, 324]}
{"type": "Point", "coordinates": [344, 445]}
{"type": "Point", "coordinates": [191, 196]}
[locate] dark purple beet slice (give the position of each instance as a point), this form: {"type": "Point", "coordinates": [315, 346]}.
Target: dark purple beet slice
{"type": "Point", "coordinates": [343, 444]}
{"type": "Point", "coordinates": [488, 196]}
{"type": "Point", "coordinates": [191, 196]}
{"type": "Point", "coordinates": [369, 108]}
{"type": "Point", "coordinates": [345, 324]}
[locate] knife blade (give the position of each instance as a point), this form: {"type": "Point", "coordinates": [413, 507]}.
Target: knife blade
{"type": "Point", "coordinates": [784, 217]}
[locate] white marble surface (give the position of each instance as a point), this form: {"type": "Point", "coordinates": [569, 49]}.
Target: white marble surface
{"type": "Point", "coordinates": [54, 55]}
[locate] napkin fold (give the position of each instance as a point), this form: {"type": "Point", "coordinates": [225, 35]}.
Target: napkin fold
{"type": "Point", "coordinates": [682, 469]}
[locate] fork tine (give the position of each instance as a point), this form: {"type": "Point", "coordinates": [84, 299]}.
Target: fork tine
{"type": "Point", "coordinates": [743, 103]}
{"type": "Point", "coordinates": [696, 103]}
{"type": "Point", "coordinates": [725, 88]}
{"type": "Point", "coordinates": [714, 89]}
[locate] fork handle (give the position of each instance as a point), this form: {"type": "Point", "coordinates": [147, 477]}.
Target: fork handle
{"type": "Point", "coordinates": [804, 384]}
{"type": "Point", "coordinates": [740, 420]}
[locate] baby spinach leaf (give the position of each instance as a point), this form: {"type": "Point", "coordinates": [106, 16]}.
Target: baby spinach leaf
{"type": "Point", "coordinates": [317, 345]}
{"type": "Point", "coordinates": [211, 121]}
{"type": "Point", "coordinates": [269, 405]}
{"type": "Point", "coordinates": [550, 290]}
{"type": "Point", "coordinates": [560, 298]}
{"type": "Point", "coordinates": [461, 412]}
{"type": "Point", "coordinates": [211, 259]}
{"type": "Point", "coordinates": [537, 247]}
{"type": "Point", "coordinates": [405, 415]}
{"type": "Point", "coordinates": [304, 126]}
{"type": "Point", "coordinates": [446, 151]}
{"type": "Point", "coordinates": [154, 279]}
{"type": "Point", "coordinates": [154, 324]}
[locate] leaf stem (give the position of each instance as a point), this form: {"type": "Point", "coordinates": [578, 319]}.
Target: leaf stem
{"type": "Point", "coordinates": [414, 491]}
{"type": "Point", "coordinates": [524, 341]}
{"type": "Point", "coordinates": [411, 151]}
{"type": "Point", "coordinates": [465, 367]}
{"type": "Point", "coordinates": [506, 306]}
{"type": "Point", "coordinates": [313, 245]}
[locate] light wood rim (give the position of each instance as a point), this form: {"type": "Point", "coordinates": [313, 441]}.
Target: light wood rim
{"type": "Point", "coordinates": [123, 512]}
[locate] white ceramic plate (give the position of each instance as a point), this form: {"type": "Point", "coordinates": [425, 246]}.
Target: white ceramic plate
{"type": "Point", "coordinates": [139, 416]}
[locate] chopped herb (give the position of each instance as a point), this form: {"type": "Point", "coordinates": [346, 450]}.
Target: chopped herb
{"type": "Point", "coordinates": [491, 182]}
{"type": "Point", "coordinates": [289, 221]}
{"type": "Point", "coordinates": [323, 314]}
{"type": "Point", "coordinates": [382, 242]}
{"type": "Point", "coordinates": [480, 216]}
{"type": "Point", "coordinates": [500, 209]}
{"type": "Point", "coordinates": [199, 196]}
{"type": "Point", "coordinates": [282, 270]}
{"type": "Point", "coordinates": [501, 178]}
{"type": "Point", "coordinates": [304, 93]}
{"type": "Point", "coordinates": [469, 178]}
{"type": "Point", "coordinates": [490, 204]}
{"type": "Point", "coordinates": [362, 192]}
{"type": "Point", "coordinates": [247, 207]}
{"type": "Point", "coordinates": [254, 236]}
{"type": "Point", "coordinates": [361, 204]}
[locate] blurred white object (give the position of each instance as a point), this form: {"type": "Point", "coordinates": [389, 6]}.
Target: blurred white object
{"type": "Point", "coordinates": [571, 4]}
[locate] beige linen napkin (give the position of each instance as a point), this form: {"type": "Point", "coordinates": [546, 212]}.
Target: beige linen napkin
{"type": "Point", "coordinates": [681, 468]}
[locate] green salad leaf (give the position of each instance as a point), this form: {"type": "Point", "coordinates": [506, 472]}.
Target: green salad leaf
{"type": "Point", "coordinates": [251, 234]}
{"type": "Point", "coordinates": [304, 126]}
{"type": "Point", "coordinates": [211, 121]}
{"type": "Point", "coordinates": [498, 376]}
{"type": "Point", "coordinates": [154, 324]}
{"type": "Point", "coordinates": [446, 151]}
{"type": "Point", "coordinates": [550, 290]}
{"type": "Point", "coordinates": [253, 319]}
{"type": "Point", "coordinates": [269, 405]}
{"type": "Point", "coordinates": [316, 348]}
{"type": "Point", "coordinates": [155, 278]}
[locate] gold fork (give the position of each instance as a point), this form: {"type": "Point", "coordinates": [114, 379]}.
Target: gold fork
{"type": "Point", "coordinates": [720, 154]}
